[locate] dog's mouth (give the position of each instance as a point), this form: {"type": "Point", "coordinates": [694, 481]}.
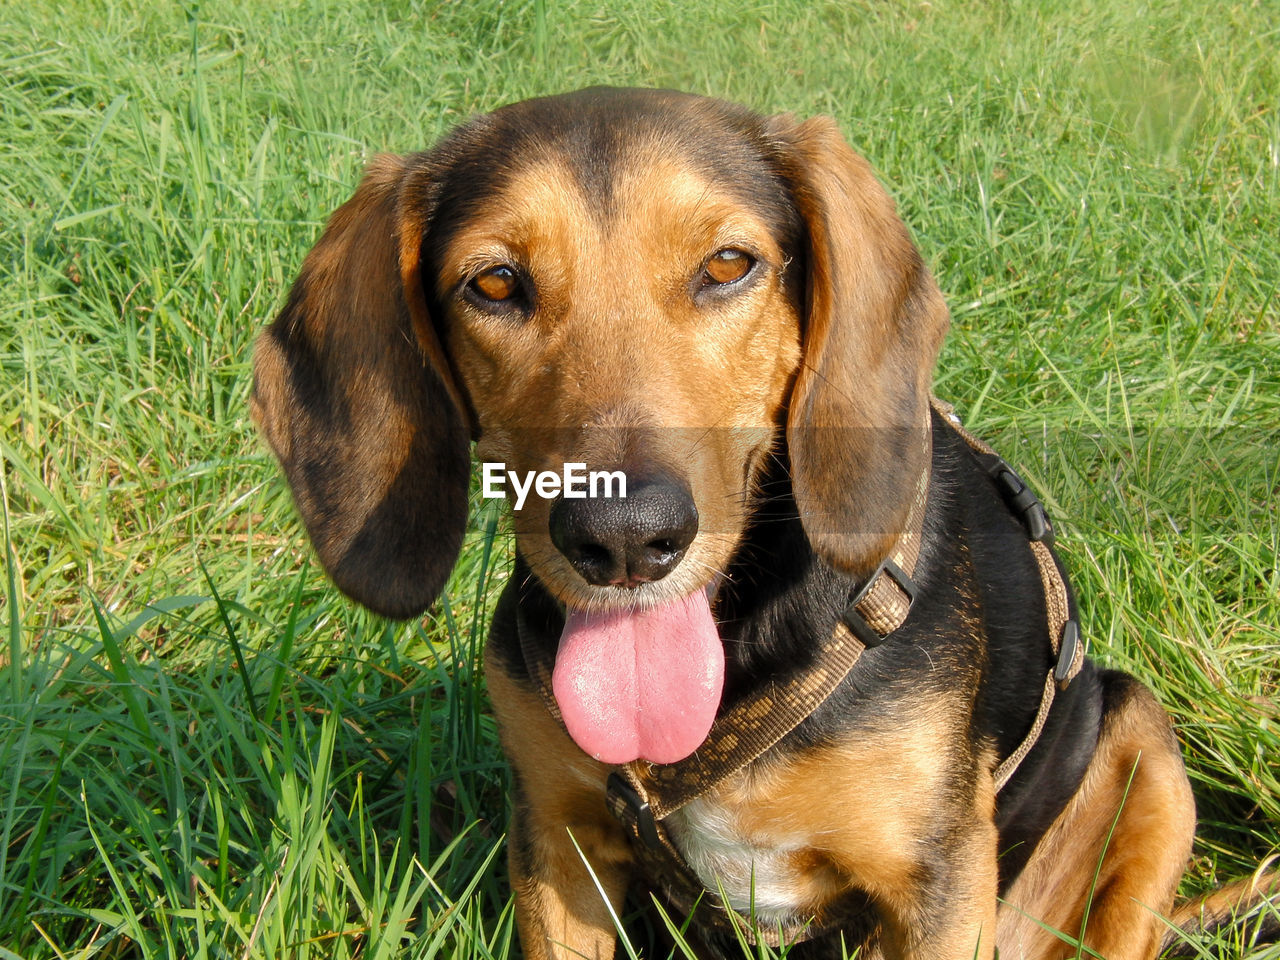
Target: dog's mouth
{"type": "Point", "coordinates": [637, 684]}
{"type": "Point", "coordinates": [640, 666]}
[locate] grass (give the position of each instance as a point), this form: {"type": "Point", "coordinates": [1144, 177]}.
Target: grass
{"type": "Point", "coordinates": [209, 753]}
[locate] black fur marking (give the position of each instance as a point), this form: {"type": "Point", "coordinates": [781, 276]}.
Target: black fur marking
{"type": "Point", "coordinates": [975, 562]}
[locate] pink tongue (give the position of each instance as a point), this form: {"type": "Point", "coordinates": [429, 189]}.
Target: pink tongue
{"type": "Point", "coordinates": [640, 684]}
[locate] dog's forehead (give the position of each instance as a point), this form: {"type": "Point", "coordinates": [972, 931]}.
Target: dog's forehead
{"type": "Point", "coordinates": [602, 143]}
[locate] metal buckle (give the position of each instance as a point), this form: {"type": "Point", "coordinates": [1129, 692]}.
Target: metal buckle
{"type": "Point", "coordinates": [646, 825]}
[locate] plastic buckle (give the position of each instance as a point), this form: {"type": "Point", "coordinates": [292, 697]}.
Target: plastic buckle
{"type": "Point", "coordinates": [857, 625]}
{"type": "Point", "coordinates": [646, 825]}
{"type": "Point", "coordinates": [1068, 645]}
{"type": "Point", "coordinates": [1021, 500]}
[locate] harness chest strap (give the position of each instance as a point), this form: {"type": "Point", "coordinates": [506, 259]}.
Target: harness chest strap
{"type": "Point", "coordinates": [751, 727]}
{"type": "Point", "coordinates": [641, 794]}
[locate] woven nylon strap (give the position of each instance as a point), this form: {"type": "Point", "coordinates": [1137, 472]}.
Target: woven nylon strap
{"type": "Point", "coordinates": [752, 726]}
{"type": "Point", "coordinates": [641, 794]}
{"type": "Point", "coordinates": [1064, 633]}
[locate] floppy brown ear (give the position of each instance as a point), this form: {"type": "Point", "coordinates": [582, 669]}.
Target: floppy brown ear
{"type": "Point", "coordinates": [858, 422]}
{"type": "Point", "coordinates": [354, 395]}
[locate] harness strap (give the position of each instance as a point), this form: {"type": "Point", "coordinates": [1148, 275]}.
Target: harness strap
{"type": "Point", "coordinates": [641, 794]}
{"type": "Point", "coordinates": [751, 727]}
{"type": "Point", "coordinates": [1060, 614]}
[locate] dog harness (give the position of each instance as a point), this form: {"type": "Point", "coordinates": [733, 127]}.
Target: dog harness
{"type": "Point", "coordinates": [642, 794]}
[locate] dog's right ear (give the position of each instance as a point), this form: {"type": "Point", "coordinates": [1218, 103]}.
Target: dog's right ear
{"type": "Point", "coordinates": [353, 392]}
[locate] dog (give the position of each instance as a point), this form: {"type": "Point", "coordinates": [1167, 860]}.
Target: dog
{"type": "Point", "coordinates": [816, 679]}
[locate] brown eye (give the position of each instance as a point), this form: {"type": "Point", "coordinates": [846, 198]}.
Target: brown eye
{"type": "Point", "coordinates": [496, 284]}
{"type": "Point", "coordinates": [727, 266]}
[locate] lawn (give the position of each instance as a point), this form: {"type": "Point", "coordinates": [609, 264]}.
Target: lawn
{"type": "Point", "coordinates": [208, 752]}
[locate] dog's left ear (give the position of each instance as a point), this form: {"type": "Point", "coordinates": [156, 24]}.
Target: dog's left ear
{"type": "Point", "coordinates": [858, 422]}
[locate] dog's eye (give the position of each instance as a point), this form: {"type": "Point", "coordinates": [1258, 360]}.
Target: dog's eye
{"type": "Point", "coordinates": [496, 285]}
{"type": "Point", "coordinates": [727, 266]}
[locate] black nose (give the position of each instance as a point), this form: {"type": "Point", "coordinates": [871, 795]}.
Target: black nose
{"type": "Point", "coordinates": [626, 541]}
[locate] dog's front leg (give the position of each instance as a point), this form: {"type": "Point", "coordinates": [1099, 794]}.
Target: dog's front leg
{"type": "Point", "coordinates": [951, 914]}
{"type": "Point", "coordinates": [569, 859]}
{"type": "Point", "coordinates": [567, 878]}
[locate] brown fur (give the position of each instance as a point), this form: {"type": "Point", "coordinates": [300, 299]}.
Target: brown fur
{"type": "Point", "coordinates": [567, 388]}
{"type": "Point", "coordinates": [380, 369]}
{"type": "Point", "coordinates": [875, 323]}
{"type": "Point", "coordinates": [557, 901]}
{"type": "Point", "coordinates": [1131, 821]}
{"type": "Point", "coordinates": [373, 444]}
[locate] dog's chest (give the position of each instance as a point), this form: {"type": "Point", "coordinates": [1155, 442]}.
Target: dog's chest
{"type": "Point", "coordinates": [754, 870]}
{"type": "Point", "coordinates": [764, 864]}
{"type": "Point", "coordinates": [795, 838]}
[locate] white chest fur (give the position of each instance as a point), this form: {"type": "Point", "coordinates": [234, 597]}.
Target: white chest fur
{"type": "Point", "coordinates": [756, 869]}
{"type": "Point", "coordinates": [790, 837]}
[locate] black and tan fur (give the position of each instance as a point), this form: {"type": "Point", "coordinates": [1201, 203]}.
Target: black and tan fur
{"type": "Point", "coordinates": [791, 407]}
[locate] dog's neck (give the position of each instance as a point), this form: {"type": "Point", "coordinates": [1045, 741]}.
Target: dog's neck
{"type": "Point", "coordinates": [778, 597]}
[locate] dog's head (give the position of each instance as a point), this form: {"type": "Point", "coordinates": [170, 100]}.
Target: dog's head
{"type": "Point", "coordinates": [641, 282]}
